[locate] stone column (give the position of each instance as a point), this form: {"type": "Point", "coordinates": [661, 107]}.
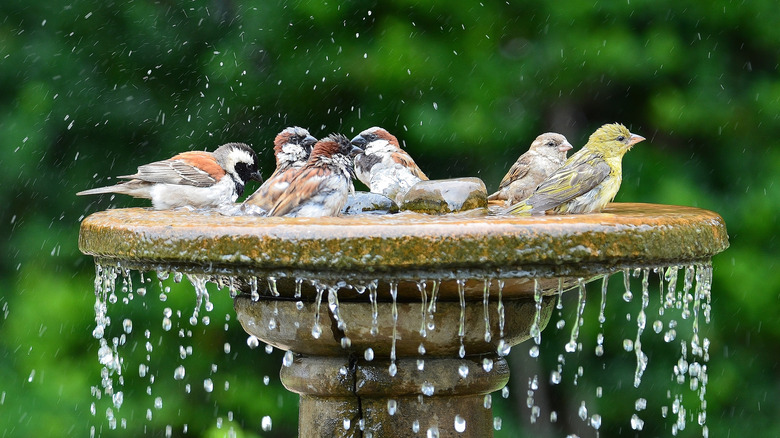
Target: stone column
{"type": "Point", "coordinates": [343, 393]}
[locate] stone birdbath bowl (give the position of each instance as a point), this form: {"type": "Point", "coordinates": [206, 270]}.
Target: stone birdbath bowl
{"type": "Point", "coordinates": [397, 325]}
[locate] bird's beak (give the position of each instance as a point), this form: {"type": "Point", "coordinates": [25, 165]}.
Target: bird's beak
{"type": "Point", "coordinates": [256, 176]}
{"type": "Point", "coordinates": [634, 139]}
{"type": "Point", "coordinates": [565, 146]}
{"type": "Point", "coordinates": [309, 141]}
{"type": "Point", "coordinates": [355, 150]}
{"type": "Point", "coordinates": [359, 141]}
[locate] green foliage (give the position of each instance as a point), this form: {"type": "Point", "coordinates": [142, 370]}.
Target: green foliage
{"type": "Point", "coordinates": [89, 90]}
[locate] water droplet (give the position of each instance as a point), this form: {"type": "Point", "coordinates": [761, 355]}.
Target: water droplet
{"type": "Point", "coordinates": [628, 344]}
{"type": "Point", "coordinates": [595, 421]}
{"type": "Point", "coordinates": [392, 369]}
{"type": "Point", "coordinates": [179, 372]}
{"type": "Point", "coordinates": [460, 424]}
{"type": "Point", "coordinates": [392, 406]}
{"type": "Point", "coordinates": [269, 349]}
{"type": "Point", "coordinates": [427, 388]}
{"type": "Point", "coordinates": [266, 423]}
{"type": "Point", "coordinates": [487, 401]}
{"type": "Point", "coordinates": [582, 411]}
{"type": "Point", "coordinates": [432, 432]}
{"type": "Point", "coordinates": [316, 331]}
{"type": "Point", "coordinates": [497, 423]}
{"type": "Point", "coordinates": [252, 341]}
{"type": "Point", "coordinates": [127, 324]}
{"type": "Point", "coordinates": [534, 351]}
{"type": "Point", "coordinates": [636, 422]}
{"type": "Point", "coordinates": [463, 370]}
{"type": "Point", "coordinates": [266, 380]}
{"type": "Point", "coordinates": [227, 348]}
{"type": "Point", "coordinates": [288, 359]}
{"type": "Point", "coordinates": [416, 426]}
{"type": "Point", "coordinates": [369, 354]}
{"type": "Point", "coordinates": [346, 423]}
{"type": "Point", "coordinates": [208, 385]}
{"type": "Point", "coordinates": [487, 364]}
{"type": "Point", "coordinates": [505, 392]}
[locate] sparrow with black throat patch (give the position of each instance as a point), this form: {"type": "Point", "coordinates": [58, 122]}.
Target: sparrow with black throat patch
{"type": "Point", "coordinates": [322, 186]}
{"type": "Point", "coordinates": [383, 166]}
{"type": "Point", "coordinates": [195, 179]}
{"type": "Point", "coordinates": [292, 147]}
{"type": "Point", "coordinates": [546, 154]}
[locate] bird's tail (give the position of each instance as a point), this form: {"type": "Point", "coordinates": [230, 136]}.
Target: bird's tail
{"type": "Point", "coordinates": [100, 191]}
{"type": "Point", "coordinates": [135, 188]}
{"type": "Point", "coordinates": [521, 208]}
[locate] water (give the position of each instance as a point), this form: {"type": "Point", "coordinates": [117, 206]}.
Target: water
{"type": "Point", "coordinates": [680, 298]}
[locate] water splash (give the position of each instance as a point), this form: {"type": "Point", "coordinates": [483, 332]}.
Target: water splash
{"type": "Point", "coordinates": [462, 321]}
{"type": "Point", "coordinates": [572, 345]}
{"type": "Point", "coordinates": [394, 294]}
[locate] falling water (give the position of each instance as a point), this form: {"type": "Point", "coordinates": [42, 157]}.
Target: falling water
{"type": "Point", "coordinates": [689, 302]}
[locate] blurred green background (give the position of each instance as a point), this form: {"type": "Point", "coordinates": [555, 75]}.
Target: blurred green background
{"type": "Point", "coordinates": [91, 89]}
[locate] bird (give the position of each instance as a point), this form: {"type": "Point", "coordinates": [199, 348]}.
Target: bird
{"type": "Point", "coordinates": [322, 186]}
{"type": "Point", "coordinates": [383, 166]}
{"type": "Point", "coordinates": [292, 147]}
{"type": "Point", "coordinates": [546, 154]}
{"type": "Point", "coordinates": [588, 180]}
{"type": "Point", "coordinates": [196, 179]}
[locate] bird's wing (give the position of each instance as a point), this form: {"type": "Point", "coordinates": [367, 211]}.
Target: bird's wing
{"type": "Point", "coordinates": [568, 182]}
{"type": "Point", "coordinates": [308, 183]}
{"type": "Point", "coordinates": [199, 169]}
{"type": "Point", "coordinates": [268, 193]}
{"type": "Point", "coordinates": [517, 171]}
{"type": "Point", "coordinates": [402, 158]}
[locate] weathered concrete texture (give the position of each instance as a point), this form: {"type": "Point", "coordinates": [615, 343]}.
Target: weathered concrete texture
{"type": "Point", "coordinates": [446, 196]}
{"type": "Point", "coordinates": [407, 245]}
{"type": "Point", "coordinates": [389, 406]}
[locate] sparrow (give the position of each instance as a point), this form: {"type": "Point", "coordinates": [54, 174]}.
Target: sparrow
{"type": "Point", "coordinates": [383, 166]}
{"type": "Point", "coordinates": [588, 180]}
{"type": "Point", "coordinates": [196, 179]}
{"type": "Point", "coordinates": [546, 154]}
{"type": "Point", "coordinates": [291, 149]}
{"type": "Point", "coordinates": [323, 184]}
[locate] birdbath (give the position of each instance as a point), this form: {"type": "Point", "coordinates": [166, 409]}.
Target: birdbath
{"type": "Point", "coordinates": [396, 325]}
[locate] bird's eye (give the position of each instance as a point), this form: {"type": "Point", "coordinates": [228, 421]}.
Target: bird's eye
{"type": "Point", "coordinates": [550, 143]}
{"type": "Point", "coordinates": [621, 138]}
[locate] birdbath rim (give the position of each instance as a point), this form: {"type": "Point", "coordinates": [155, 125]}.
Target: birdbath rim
{"type": "Point", "coordinates": [406, 245]}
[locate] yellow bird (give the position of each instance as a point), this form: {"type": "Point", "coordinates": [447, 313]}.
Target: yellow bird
{"type": "Point", "coordinates": [588, 180]}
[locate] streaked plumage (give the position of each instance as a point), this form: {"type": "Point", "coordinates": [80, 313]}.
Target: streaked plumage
{"type": "Point", "coordinates": [321, 186]}
{"type": "Point", "coordinates": [546, 154]}
{"type": "Point", "coordinates": [195, 179]}
{"type": "Point", "coordinates": [383, 166]}
{"type": "Point", "coordinates": [588, 180]}
{"type": "Point", "coordinates": [292, 147]}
